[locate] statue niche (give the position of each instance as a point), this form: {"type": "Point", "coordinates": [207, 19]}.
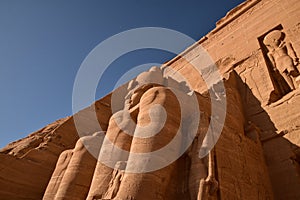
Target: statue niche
{"type": "Point", "coordinates": [283, 61]}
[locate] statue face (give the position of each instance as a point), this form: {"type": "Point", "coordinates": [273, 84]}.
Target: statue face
{"type": "Point", "coordinates": [275, 43]}
{"type": "Point", "coordinates": [138, 93]}
{"type": "Point", "coordinates": [273, 39]}
{"type": "Point", "coordinates": [136, 96]}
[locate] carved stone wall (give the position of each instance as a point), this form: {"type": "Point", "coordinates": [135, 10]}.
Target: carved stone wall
{"type": "Point", "coordinates": [237, 44]}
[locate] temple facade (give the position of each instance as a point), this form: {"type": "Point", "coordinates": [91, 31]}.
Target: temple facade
{"type": "Point", "coordinates": [226, 130]}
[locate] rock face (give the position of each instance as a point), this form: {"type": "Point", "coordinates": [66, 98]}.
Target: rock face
{"type": "Point", "coordinates": [27, 165]}
{"type": "Point", "coordinates": [161, 141]}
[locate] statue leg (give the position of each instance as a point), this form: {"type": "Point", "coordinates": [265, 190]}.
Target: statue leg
{"type": "Point", "coordinates": [289, 80]}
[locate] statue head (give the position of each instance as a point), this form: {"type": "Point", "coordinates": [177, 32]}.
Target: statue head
{"type": "Point", "coordinates": [273, 39]}
{"type": "Point", "coordinates": [154, 75]}
{"type": "Point", "coordinates": [134, 96]}
{"type": "Point", "coordinates": [143, 82]}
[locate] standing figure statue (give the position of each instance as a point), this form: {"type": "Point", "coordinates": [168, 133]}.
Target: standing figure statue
{"type": "Point", "coordinates": [282, 56]}
{"type": "Point", "coordinates": [115, 182]}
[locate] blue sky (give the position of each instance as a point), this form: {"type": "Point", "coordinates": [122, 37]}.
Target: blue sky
{"type": "Point", "coordinates": [43, 43]}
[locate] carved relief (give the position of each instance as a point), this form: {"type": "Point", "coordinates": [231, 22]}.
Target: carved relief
{"type": "Point", "coordinates": [115, 182]}
{"type": "Point", "coordinates": [282, 60]}
{"type": "Point", "coordinates": [293, 34]}
{"type": "Point", "coordinates": [198, 170]}
{"type": "Point", "coordinates": [282, 56]}
{"type": "Point", "coordinates": [255, 75]}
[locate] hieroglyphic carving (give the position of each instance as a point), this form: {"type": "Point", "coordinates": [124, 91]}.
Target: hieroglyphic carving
{"type": "Point", "coordinates": [250, 70]}
{"type": "Point", "coordinates": [293, 34]}
{"type": "Point", "coordinates": [255, 75]}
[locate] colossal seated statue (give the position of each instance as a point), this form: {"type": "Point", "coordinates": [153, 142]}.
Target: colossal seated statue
{"type": "Point", "coordinates": [119, 133]}
{"type": "Point", "coordinates": [60, 169]}
{"type": "Point", "coordinates": [152, 117]}
{"type": "Point", "coordinates": [145, 153]}
{"type": "Point", "coordinates": [74, 171]}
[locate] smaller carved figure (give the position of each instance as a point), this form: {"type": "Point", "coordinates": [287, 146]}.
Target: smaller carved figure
{"type": "Point", "coordinates": [282, 56]}
{"type": "Point", "coordinates": [116, 179]}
